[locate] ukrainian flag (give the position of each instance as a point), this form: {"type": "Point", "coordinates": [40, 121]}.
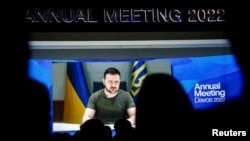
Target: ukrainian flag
{"type": "Point", "coordinates": [139, 73]}
{"type": "Point", "coordinates": [76, 93]}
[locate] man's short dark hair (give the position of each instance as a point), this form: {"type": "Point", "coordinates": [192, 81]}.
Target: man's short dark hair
{"type": "Point", "coordinates": [111, 70]}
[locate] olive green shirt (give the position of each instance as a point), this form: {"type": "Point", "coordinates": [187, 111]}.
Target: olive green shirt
{"type": "Point", "coordinates": [110, 109]}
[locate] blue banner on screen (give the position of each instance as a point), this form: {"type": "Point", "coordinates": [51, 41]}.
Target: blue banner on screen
{"type": "Point", "coordinates": [209, 81]}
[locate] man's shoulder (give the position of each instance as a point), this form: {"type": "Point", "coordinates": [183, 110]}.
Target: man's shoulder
{"type": "Point", "coordinates": [124, 92]}
{"type": "Point", "coordinates": [98, 92]}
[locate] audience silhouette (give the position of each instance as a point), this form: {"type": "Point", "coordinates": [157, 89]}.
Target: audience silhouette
{"type": "Point", "coordinates": [93, 130]}
{"type": "Point", "coordinates": [28, 111]}
{"type": "Point", "coordinates": [64, 136]}
{"type": "Point", "coordinates": [163, 108]}
{"type": "Point", "coordinates": [124, 131]}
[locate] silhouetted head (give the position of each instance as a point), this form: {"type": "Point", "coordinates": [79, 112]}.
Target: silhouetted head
{"type": "Point", "coordinates": [28, 96]}
{"type": "Point", "coordinates": [162, 101]}
{"type": "Point", "coordinates": [122, 126]}
{"type": "Point", "coordinates": [93, 130]}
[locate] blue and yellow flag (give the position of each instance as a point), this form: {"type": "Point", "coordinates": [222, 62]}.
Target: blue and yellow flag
{"type": "Point", "coordinates": [76, 93]}
{"type": "Point", "coordinates": [139, 73]}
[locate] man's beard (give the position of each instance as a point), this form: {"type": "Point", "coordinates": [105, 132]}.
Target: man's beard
{"type": "Point", "coordinates": [111, 91]}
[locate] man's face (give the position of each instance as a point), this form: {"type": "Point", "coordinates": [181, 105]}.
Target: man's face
{"type": "Point", "coordinates": [112, 83]}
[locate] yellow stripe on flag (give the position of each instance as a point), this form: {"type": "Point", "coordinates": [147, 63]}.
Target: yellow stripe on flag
{"type": "Point", "coordinates": [73, 107]}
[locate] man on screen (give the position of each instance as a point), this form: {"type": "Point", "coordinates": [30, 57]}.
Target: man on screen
{"type": "Point", "coordinates": [110, 103]}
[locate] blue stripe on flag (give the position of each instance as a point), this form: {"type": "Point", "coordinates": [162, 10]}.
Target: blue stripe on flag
{"type": "Point", "coordinates": [76, 75]}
